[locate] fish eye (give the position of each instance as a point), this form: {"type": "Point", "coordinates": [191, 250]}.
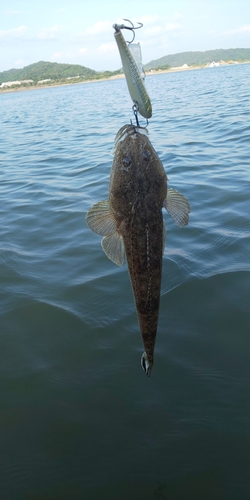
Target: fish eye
{"type": "Point", "coordinates": [146, 155]}
{"type": "Point", "coordinates": [126, 160]}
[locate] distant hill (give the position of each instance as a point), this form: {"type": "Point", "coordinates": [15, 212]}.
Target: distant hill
{"type": "Point", "coordinates": [57, 72]}
{"type": "Point", "coordinates": [47, 70]}
{"type": "Point", "coordinates": [199, 58]}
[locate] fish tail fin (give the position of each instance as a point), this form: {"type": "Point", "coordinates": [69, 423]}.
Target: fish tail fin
{"type": "Point", "coordinates": [146, 364]}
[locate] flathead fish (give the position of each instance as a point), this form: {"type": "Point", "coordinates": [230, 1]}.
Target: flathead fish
{"type": "Point", "coordinates": [131, 222]}
{"type": "Point", "coordinates": [134, 80]}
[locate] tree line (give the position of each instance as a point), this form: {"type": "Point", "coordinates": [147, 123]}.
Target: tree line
{"type": "Point", "coordinates": [43, 70]}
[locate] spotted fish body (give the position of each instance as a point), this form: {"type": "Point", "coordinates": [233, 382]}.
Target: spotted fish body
{"type": "Point", "coordinates": [131, 222]}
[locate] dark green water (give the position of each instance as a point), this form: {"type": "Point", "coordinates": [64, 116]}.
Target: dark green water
{"type": "Point", "coordinates": [78, 417]}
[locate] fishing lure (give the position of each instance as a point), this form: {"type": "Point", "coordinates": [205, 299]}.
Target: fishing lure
{"type": "Point", "coordinates": [134, 80]}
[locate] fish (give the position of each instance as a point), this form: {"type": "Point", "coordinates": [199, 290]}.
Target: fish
{"type": "Point", "coordinates": [134, 80]}
{"type": "Point", "coordinates": [131, 223]}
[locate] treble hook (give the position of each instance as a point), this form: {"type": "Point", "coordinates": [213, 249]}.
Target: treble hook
{"type": "Point", "coordinates": [135, 111]}
{"type": "Point", "coordinates": [119, 27]}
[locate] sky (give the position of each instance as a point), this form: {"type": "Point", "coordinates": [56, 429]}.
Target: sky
{"type": "Point", "coordinates": [80, 31]}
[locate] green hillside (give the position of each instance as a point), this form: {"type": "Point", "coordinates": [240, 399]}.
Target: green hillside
{"type": "Point", "coordinates": [199, 58]}
{"type": "Point", "coordinates": [56, 72]}
{"type": "Point", "coordinates": [44, 70]}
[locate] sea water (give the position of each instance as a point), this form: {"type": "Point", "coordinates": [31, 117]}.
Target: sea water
{"type": "Point", "coordinates": [78, 417]}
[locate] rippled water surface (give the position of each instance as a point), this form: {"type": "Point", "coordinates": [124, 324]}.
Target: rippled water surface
{"type": "Point", "coordinates": [78, 417]}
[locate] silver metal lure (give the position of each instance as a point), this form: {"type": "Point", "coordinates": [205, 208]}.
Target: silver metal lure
{"type": "Point", "coordinates": [134, 80]}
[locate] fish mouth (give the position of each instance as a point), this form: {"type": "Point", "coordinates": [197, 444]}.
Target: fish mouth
{"type": "Point", "coordinates": [146, 365]}
{"type": "Point", "coordinates": [128, 131]}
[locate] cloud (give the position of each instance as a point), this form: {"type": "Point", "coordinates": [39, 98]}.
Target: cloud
{"type": "Point", "coordinates": [57, 56]}
{"type": "Point", "coordinates": [241, 29]}
{"type": "Point", "coordinates": [12, 12]}
{"type": "Point", "coordinates": [158, 29]}
{"type": "Point", "coordinates": [99, 27]}
{"type": "Point", "coordinates": [147, 20]}
{"type": "Point", "coordinates": [245, 28]}
{"type": "Point", "coordinates": [153, 30]}
{"type": "Point", "coordinates": [107, 47]}
{"type": "Point", "coordinates": [14, 34]}
{"type": "Point", "coordinates": [63, 56]}
{"type": "Point", "coordinates": [177, 16]}
{"type": "Point", "coordinates": [20, 63]}
{"type": "Point", "coordinates": [68, 56]}
{"type": "Point", "coordinates": [49, 33]}
{"type": "Point", "coordinates": [173, 27]}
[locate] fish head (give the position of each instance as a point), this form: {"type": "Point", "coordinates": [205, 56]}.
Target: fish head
{"type": "Point", "coordinates": [146, 364]}
{"type": "Point", "coordinates": [126, 133]}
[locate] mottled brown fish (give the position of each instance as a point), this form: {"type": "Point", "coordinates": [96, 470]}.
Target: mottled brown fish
{"type": "Point", "coordinates": [131, 222]}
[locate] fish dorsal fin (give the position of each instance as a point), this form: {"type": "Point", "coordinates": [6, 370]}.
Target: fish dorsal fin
{"type": "Point", "coordinates": [100, 219]}
{"type": "Point", "coordinates": [114, 248]}
{"type": "Point", "coordinates": [177, 206]}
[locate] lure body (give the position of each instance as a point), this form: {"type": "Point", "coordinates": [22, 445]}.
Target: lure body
{"type": "Point", "coordinates": [134, 80]}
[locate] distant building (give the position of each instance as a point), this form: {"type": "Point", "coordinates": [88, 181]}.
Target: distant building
{"type": "Point", "coordinates": [44, 81]}
{"type": "Point", "coordinates": [9, 84]}
{"type": "Point", "coordinates": [213, 65]}
{"type": "Point", "coordinates": [17, 82]}
{"type": "Point", "coordinates": [27, 81]}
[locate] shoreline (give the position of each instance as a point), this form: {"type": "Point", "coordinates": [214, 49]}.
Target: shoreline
{"type": "Point", "coordinates": [115, 77]}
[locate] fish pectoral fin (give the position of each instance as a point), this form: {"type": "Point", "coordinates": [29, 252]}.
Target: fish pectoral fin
{"type": "Point", "coordinates": [113, 247]}
{"type": "Point", "coordinates": [177, 206]}
{"type": "Point", "coordinates": [100, 218]}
